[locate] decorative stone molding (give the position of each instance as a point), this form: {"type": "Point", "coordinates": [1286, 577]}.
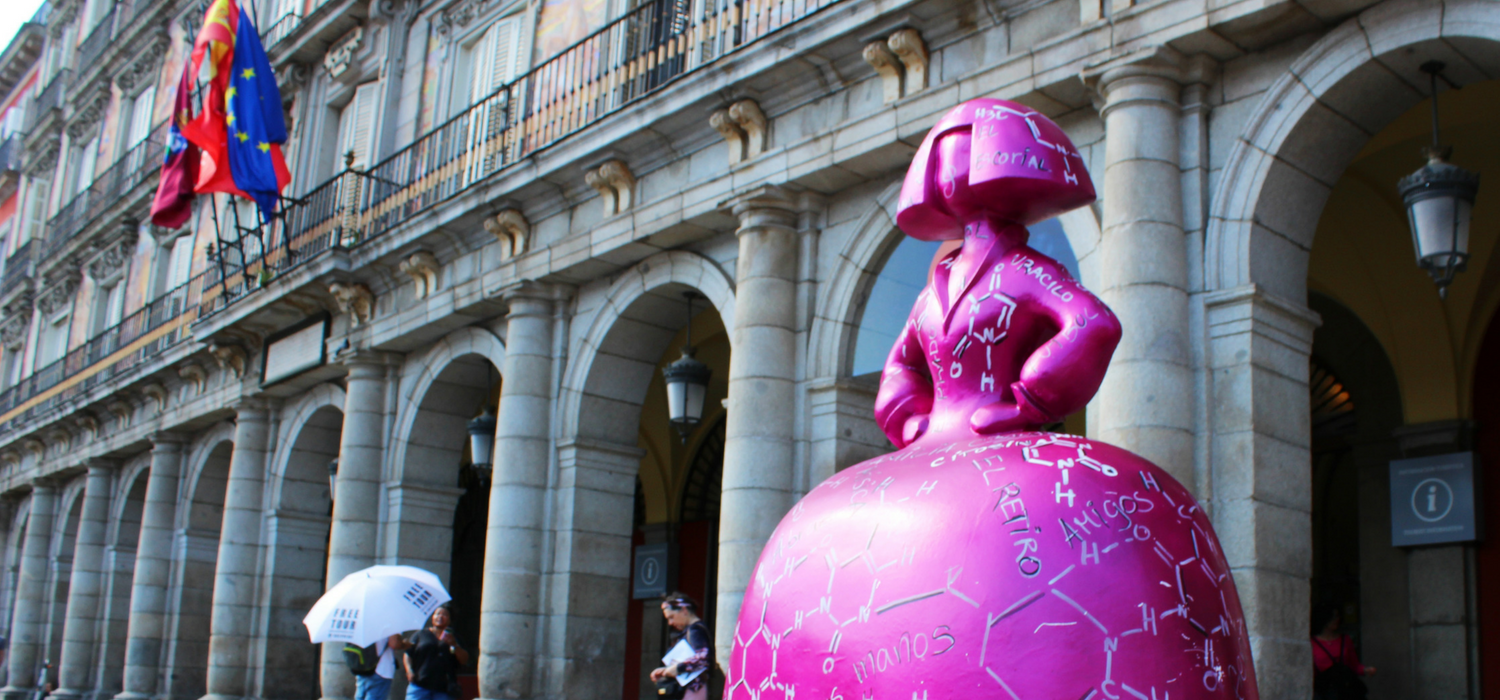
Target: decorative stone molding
{"type": "Point", "coordinates": [510, 226]}
{"type": "Point", "coordinates": [195, 374]}
{"type": "Point", "coordinates": [354, 299]}
{"type": "Point", "coordinates": [156, 391]}
{"type": "Point", "coordinates": [909, 47]}
{"type": "Point", "coordinates": [58, 293]}
{"type": "Point", "coordinates": [422, 266]}
{"type": "Point", "coordinates": [35, 446]}
{"type": "Point", "coordinates": [292, 77]}
{"type": "Point", "coordinates": [87, 423]}
{"type": "Point", "coordinates": [60, 438]}
{"type": "Point", "coordinates": [62, 16]}
{"type": "Point", "coordinates": [743, 127]}
{"type": "Point", "coordinates": [341, 55]}
{"type": "Point", "coordinates": [13, 332]}
{"type": "Point", "coordinates": [88, 114]}
{"type": "Point", "coordinates": [460, 13]}
{"type": "Point", "coordinates": [888, 66]}
{"type": "Point", "coordinates": [43, 158]}
{"type": "Point", "coordinates": [146, 64]}
{"type": "Point", "coordinates": [615, 184]}
{"type": "Point", "coordinates": [120, 408]}
{"type": "Point", "coordinates": [114, 259]}
{"type": "Point", "coordinates": [231, 357]}
{"type": "Point", "coordinates": [901, 60]}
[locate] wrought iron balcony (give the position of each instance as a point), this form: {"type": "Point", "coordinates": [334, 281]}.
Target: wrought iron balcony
{"type": "Point", "coordinates": [94, 44]}
{"type": "Point", "coordinates": [18, 268]}
{"type": "Point", "coordinates": [139, 165]}
{"type": "Point", "coordinates": [630, 58]}
{"type": "Point", "coordinates": [134, 341]}
{"type": "Point", "coordinates": [282, 28]}
{"type": "Point", "coordinates": [50, 98]}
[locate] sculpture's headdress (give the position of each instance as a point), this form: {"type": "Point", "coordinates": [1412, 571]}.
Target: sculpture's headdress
{"type": "Point", "coordinates": [1022, 167]}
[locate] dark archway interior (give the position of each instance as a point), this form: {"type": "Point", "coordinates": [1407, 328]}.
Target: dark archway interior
{"type": "Point", "coordinates": [120, 568]}
{"type": "Point", "coordinates": [64, 540]}
{"type": "Point", "coordinates": [187, 677]}
{"type": "Point", "coordinates": [1356, 407]}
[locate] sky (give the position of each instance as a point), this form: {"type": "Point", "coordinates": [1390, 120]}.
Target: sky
{"type": "Point", "coordinates": [14, 13]}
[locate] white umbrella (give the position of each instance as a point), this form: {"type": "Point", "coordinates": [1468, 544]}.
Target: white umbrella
{"type": "Point", "coordinates": [375, 603]}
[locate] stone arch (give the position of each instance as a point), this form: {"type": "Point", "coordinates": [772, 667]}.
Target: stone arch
{"type": "Point", "coordinates": [297, 529]}
{"type": "Point", "coordinates": [440, 391]}
{"type": "Point", "coordinates": [127, 505]}
{"type": "Point", "coordinates": [584, 392]}
{"type": "Point", "coordinates": [59, 577]}
{"type": "Point", "coordinates": [13, 542]}
{"type": "Point", "coordinates": [200, 515]}
{"type": "Point", "coordinates": [1314, 120]}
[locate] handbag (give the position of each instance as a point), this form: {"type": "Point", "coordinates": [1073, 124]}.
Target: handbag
{"type": "Point", "coordinates": [1338, 682]}
{"type": "Point", "coordinates": [669, 689]}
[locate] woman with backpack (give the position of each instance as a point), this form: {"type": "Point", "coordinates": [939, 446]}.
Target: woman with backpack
{"type": "Point", "coordinates": [433, 659]}
{"type": "Point", "coordinates": [1336, 668]}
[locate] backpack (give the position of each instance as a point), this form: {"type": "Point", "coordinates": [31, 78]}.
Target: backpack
{"type": "Point", "coordinates": [1338, 682]}
{"type": "Point", "coordinates": [361, 661]}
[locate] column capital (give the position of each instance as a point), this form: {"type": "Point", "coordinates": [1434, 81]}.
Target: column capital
{"type": "Point", "coordinates": [43, 486]}
{"type": "Point", "coordinates": [369, 364]}
{"type": "Point", "coordinates": [532, 298]}
{"type": "Point", "coordinates": [1154, 74]}
{"type": "Point", "coordinates": [100, 465]}
{"type": "Point", "coordinates": [167, 441]}
{"type": "Point", "coordinates": [252, 408]}
{"type": "Point", "coordinates": [765, 206]}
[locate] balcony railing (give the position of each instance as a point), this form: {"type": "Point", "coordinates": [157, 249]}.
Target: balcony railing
{"type": "Point", "coordinates": [139, 165]}
{"type": "Point", "coordinates": [50, 98]}
{"type": "Point", "coordinates": [18, 268]}
{"type": "Point", "coordinates": [141, 336]}
{"type": "Point", "coordinates": [634, 56]}
{"type": "Point", "coordinates": [282, 28]}
{"type": "Point", "coordinates": [93, 45]}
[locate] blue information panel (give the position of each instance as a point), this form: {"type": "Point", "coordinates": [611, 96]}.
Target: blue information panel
{"type": "Point", "coordinates": [1432, 500]}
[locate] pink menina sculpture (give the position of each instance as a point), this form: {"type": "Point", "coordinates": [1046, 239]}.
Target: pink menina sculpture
{"type": "Point", "coordinates": [985, 558]}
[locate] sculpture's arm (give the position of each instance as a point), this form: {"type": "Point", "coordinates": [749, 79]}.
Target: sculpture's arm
{"type": "Point", "coordinates": [905, 396]}
{"type": "Point", "coordinates": [1064, 372]}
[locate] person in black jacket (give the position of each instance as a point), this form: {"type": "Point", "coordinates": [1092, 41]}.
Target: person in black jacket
{"type": "Point", "coordinates": [433, 660]}
{"type": "Point", "coordinates": [681, 613]}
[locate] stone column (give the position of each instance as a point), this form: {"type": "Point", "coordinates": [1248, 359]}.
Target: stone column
{"type": "Point", "coordinates": [1262, 457]}
{"type": "Point", "coordinates": [1145, 404]}
{"type": "Point", "coordinates": [153, 568]}
{"type": "Point", "coordinates": [510, 607]}
{"type": "Point", "coordinates": [27, 622]}
{"type": "Point", "coordinates": [85, 586]}
{"type": "Point", "coordinates": [356, 503]}
{"type": "Point", "coordinates": [759, 445]}
{"type": "Point", "coordinates": [231, 627]}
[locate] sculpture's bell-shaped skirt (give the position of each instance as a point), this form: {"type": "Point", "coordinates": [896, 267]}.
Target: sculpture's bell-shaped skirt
{"type": "Point", "coordinates": [1020, 566]}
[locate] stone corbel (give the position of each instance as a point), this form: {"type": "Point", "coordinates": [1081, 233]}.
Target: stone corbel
{"type": "Point", "coordinates": [901, 60]}
{"type": "Point", "coordinates": [87, 423]}
{"type": "Point", "coordinates": [511, 227]}
{"type": "Point", "coordinates": [115, 257]}
{"type": "Point", "coordinates": [909, 47]}
{"type": "Point", "coordinates": [354, 299]}
{"type": "Point", "coordinates": [195, 374]}
{"type": "Point", "coordinates": [422, 267]}
{"type": "Point", "coordinates": [231, 357]}
{"type": "Point", "coordinates": [35, 446]}
{"type": "Point", "coordinates": [616, 186]}
{"type": "Point", "coordinates": [156, 391]}
{"type": "Point", "coordinates": [121, 409]}
{"type": "Point", "coordinates": [743, 127]}
{"type": "Point", "coordinates": [61, 437]}
{"type": "Point", "coordinates": [13, 332]}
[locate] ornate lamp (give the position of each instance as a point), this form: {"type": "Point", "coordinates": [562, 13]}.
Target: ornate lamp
{"type": "Point", "coordinates": [687, 383]}
{"type": "Point", "coordinates": [482, 442]}
{"type": "Point", "coordinates": [1439, 200]}
{"type": "Point", "coordinates": [333, 476]}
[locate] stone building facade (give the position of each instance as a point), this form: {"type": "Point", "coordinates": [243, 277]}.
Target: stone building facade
{"type": "Point", "coordinates": [498, 205]}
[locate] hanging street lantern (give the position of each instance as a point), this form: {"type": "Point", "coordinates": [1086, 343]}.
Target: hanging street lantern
{"type": "Point", "coordinates": [333, 476]}
{"type": "Point", "coordinates": [1439, 201]}
{"type": "Point", "coordinates": [482, 442]}
{"type": "Point", "coordinates": [687, 383]}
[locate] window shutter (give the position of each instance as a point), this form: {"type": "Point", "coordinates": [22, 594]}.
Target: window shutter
{"type": "Point", "coordinates": [494, 59]}
{"type": "Point", "coordinates": [140, 117]}
{"type": "Point", "coordinates": [357, 125]}
{"type": "Point", "coordinates": [36, 209]}
{"type": "Point", "coordinates": [87, 160]}
{"type": "Point", "coordinates": [181, 265]}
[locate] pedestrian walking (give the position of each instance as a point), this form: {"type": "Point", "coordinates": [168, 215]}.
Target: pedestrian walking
{"type": "Point", "coordinates": [433, 659]}
{"type": "Point", "coordinates": [681, 612]}
{"type": "Point", "coordinates": [374, 666]}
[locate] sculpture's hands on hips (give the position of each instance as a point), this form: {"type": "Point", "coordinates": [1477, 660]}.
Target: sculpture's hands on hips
{"type": "Point", "coordinates": [915, 427]}
{"type": "Point", "coordinates": [1008, 416]}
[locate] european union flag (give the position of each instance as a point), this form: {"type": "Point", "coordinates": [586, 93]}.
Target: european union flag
{"type": "Point", "coordinates": [254, 122]}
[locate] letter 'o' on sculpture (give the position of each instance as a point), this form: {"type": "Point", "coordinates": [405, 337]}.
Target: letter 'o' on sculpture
{"type": "Point", "coordinates": [985, 557]}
